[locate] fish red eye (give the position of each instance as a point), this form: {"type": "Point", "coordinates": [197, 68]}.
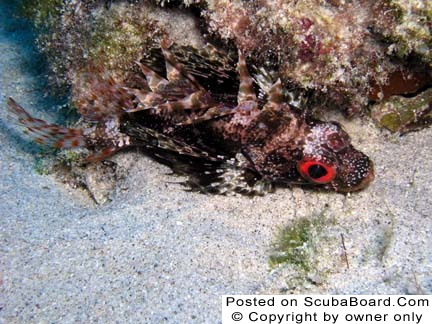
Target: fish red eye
{"type": "Point", "coordinates": [316, 171]}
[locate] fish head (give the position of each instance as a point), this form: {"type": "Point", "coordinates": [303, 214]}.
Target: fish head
{"type": "Point", "coordinates": [329, 159]}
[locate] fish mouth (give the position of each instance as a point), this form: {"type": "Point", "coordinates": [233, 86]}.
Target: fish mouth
{"type": "Point", "coordinates": [362, 184]}
{"type": "Point", "coordinates": [355, 171]}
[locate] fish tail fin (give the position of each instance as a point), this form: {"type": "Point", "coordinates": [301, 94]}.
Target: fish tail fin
{"type": "Point", "coordinates": [44, 133]}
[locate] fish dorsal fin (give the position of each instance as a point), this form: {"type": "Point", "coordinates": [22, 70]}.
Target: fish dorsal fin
{"type": "Point", "coordinates": [171, 72]}
{"type": "Point", "coordinates": [174, 67]}
{"type": "Point", "coordinates": [154, 80]}
{"type": "Point", "coordinates": [195, 101]}
{"type": "Point", "coordinates": [275, 95]}
{"type": "Point", "coordinates": [246, 90]}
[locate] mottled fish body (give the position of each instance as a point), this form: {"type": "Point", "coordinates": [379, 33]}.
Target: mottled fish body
{"type": "Point", "coordinates": [224, 146]}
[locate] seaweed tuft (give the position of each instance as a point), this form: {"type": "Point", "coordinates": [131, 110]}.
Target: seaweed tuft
{"type": "Point", "coordinates": [297, 244]}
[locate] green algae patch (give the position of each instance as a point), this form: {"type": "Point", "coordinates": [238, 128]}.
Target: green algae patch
{"type": "Point", "coordinates": [401, 114]}
{"type": "Point", "coordinates": [41, 12]}
{"type": "Point", "coordinates": [71, 157]}
{"type": "Point", "coordinates": [42, 165]}
{"type": "Point", "coordinates": [294, 245]}
{"type": "Point", "coordinates": [300, 243]}
{"type": "Point", "coordinates": [120, 36]}
{"type": "Point", "coordinates": [308, 251]}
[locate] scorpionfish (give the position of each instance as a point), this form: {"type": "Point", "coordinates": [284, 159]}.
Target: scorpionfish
{"type": "Point", "coordinates": [247, 145]}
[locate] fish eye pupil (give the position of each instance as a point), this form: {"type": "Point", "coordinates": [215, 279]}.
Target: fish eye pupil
{"type": "Point", "coordinates": [317, 171]}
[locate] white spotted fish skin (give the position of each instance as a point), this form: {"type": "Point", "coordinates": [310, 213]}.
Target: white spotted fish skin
{"type": "Point", "coordinates": [247, 146]}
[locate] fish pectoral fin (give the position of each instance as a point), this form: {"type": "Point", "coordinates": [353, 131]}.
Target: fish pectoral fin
{"type": "Point", "coordinates": [228, 179]}
{"type": "Point", "coordinates": [102, 154]}
{"type": "Point", "coordinates": [149, 138]}
{"type": "Point", "coordinates": [210, 114]}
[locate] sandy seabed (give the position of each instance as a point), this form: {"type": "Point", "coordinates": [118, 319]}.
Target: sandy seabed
{"type": "Point", "coordinates": [156, 253]}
